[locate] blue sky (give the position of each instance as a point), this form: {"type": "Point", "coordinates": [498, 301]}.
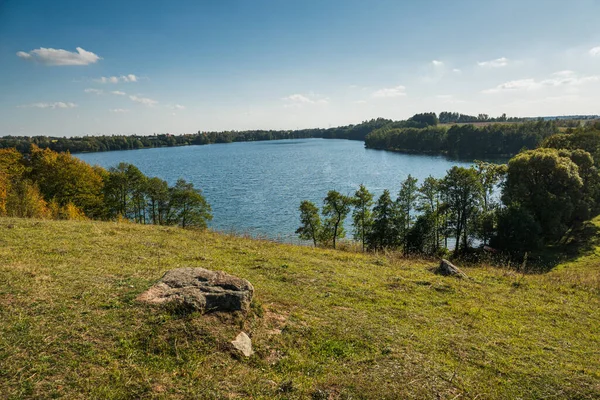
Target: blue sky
{"type": "Point", "coordinates": [73, 68]}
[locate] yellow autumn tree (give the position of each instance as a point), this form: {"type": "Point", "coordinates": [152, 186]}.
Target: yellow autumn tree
{"type": "Point", "coordinates": [11, 169]}
{"type": "Point", "coordinates": [68, 180]}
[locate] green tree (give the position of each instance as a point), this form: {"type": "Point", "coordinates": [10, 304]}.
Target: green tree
{"type": "Point", "coordinates": [462, 190]}
{"type": "Point", "coordinates": [430, 205]}
{"type": "Point", "coordinates": [189, 208]}
{"type": "Point", "coordinates": [157, 192]}
{"type": "Point", "coordinates": [383, 233]}
{"type": "Point", "coordinates": [311, 227]}
{"type": "Point", "coordinates": [125, 192]}
{"type": "Point", "coordinates": [405, 205]}
{"type": "Point", "coordinates": [545, 183]}
{"type": "Point", "coordinates": [490, 175]}
{"type": "Point", "coordinates": [362, 216]}
{"type": "Point", "coordinates": [336, 208]}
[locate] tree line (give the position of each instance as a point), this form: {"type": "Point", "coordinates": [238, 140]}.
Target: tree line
{"type": "Point", "coordinates": [133, 142]}
{"type": "Point", "coordinates": [47, 184]}
{"type": "Point", "coordinates": [531, 202]}
{"type": "Point", "coordinates": [465, 141]}
{"type": "Point", "coordinates": [377, 129]}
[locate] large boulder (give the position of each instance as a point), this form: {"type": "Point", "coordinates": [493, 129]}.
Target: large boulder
{"type": "Point", "coordinates": [199, 289]}
{"type": "Point", "coordinates": [446, 268]}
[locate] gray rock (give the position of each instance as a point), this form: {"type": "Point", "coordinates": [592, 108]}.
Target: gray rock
{"type": "Point", "coordinates": [446, 268]}
{"type": "Point", "coordinates": [199, 289]}
{"type": "Point", "coordinates": [243, 344]}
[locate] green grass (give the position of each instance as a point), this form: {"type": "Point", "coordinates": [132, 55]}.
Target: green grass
{"type": "Point", "coordinates": [325, 324]}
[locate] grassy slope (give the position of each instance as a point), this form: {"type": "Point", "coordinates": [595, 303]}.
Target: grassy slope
{"type": "Point", "coordinates": [351, 325]}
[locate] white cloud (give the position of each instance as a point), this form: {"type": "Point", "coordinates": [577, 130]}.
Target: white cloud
{"type": "Point", "coordinates": [57, 104]}
{"type": "Point", "coordinates": [569, 78]}
{"type": "Point", "coordinates": [143, 100]}
{"type": "Point", "coordinates": [176, 107]}
{"type": "Point", "coordinates": [558, 79]}
{"type": "Point", "coordinates": [118, 110]}
{"type": "Point", "coordinates": [95, 91]}
{"type": "Point", "coordinates": [396, 91]}
{"type": "Point", "coordinates": [117, 79]}
{"type": "Point", "coordinates": [595, 52]}
{"type": "Point", "coordinates": [300, 99]}
{"type": "Point", "coordinates": [456, 70]}
{"type": "Point", "coordinates": [118, 93]}
{"type": "Point", "coordinates": [57, 57]}
{"type": "Point", "coordinates": [360, 102]}
{"type": "Point", "coordinates": [520, 84]}
{"type": "Point", "coordinates": [497, 63]}
{"type": "Point", "coordinates": [437, 63]}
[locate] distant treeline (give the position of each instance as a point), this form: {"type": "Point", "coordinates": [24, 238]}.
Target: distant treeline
{"type": "Point", "coordinates": [420, 134]}
{"type": "Point", "coordinates": [463, 140]}
{"type": "Point", "coordinates": [133, 142]}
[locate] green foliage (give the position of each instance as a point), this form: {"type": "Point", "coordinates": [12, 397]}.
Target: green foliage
{"type": "Point", "coordinates": [311, 227]}
{"type": "Point", "coordinates": [546, 183]}
{"type": "Point", "coordinates": [188, 208]}
{"type": "Point", "coordinates": [465, 141]}
{"type": "Point", "coordinates": [427, 119]}
{"type": "Point", "coordinates": [362, 216]}
{"type": "Point", "coordinates": [461, 189]}
{"type": "Point", "coordinates": [518, 231]}
{"type": "Point", "coordinates": [405, 205]}
{"type": "Point", "coordinates": [384, 234]}
{"type": "Point", "coordinates": [336, 208]}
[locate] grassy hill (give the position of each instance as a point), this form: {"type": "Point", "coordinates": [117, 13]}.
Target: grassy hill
{"type": "Point", "coordinates": [325, 324]}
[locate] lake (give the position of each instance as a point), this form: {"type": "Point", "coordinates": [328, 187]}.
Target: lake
{"type": "Point", "coordinates": [256, 187]}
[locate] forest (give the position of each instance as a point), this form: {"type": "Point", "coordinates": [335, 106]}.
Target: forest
{"type": "Point", "coordinates": [463, 141]}
{"type": "Point", "coordinates": [418, 134]}
{"type": "Point", "coordinates": [545, 193]}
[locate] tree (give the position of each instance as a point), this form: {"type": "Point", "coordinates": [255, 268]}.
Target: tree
{"type": "Point", "coordinates": [335, 210]}
{"type": "Point", "coordinates": [67, 179]}
{"type": "Point", "coordinates": [490, 176]}
{"type": "Point", "coordinates": [189, 208]}
{"type": "Point", "coordinates": [545, 183]}
{"type": "Point", "coordinates": [24, 200]}
{"type": "Point", "coordinates": [362, 216]}
{"type": "Point", "coordinates": [405, 203]}
{"type": "Point", "coordinates": [310, 228]}
{"type": "Point", "coordinates": [430, 205]}
{"type": "Point", "coordinates": [383, 233]}
{"type": "Point", "coordinates": [125, 192]}
{"type": "Point", "coordinates": [157, 195]}
{"type": "Point", "coordinates": [425, 118]}
{"type": "Point", "coordinates": [518, 231]}
{"type": "Point", "coordinates": [11, 170]}
{"type": "Point", "coordinates": [461, 188]}
{"type": "Point", "coordinates": [421, 237]}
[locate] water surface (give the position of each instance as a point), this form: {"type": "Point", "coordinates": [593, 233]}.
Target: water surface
{"type": "Point", "coordinates": [256, 187]}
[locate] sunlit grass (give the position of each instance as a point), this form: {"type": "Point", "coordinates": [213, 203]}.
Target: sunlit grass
{"type": "Point", "coordinates": [324, 323]}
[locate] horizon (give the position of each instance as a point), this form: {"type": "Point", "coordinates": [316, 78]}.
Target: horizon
{"type": "Point", "coordinates": [144, 68]}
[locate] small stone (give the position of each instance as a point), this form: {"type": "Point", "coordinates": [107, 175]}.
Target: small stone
{"type": "Point", "coordinates": [446, 268]}
{"type": "Point", "coordinates": [244, 344]}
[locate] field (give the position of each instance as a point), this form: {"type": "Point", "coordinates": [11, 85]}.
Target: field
{"type": "Point", "coordinates": [324, 324]}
